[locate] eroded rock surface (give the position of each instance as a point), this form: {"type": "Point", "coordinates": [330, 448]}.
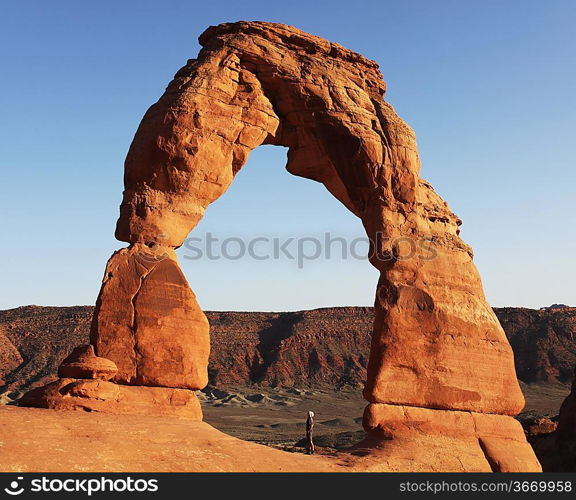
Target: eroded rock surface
{"type": "Point", "coordinates": [421, 439]}
{"type": "Point", "coordinates": [83, 363]}
{"type": "Point", "coordinates": [84, 385]}
{"type": "Point", "coordinates": [148, 322]}
{"type": "Point", "coordinates": [96, 395]}
{"type": "Point", "coordinates": [10, 357]}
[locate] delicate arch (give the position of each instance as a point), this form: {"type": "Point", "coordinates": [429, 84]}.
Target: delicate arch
{"type": "Point", "coordinates": [440, 383]}
{"type": "Point", "coordinates": [436, 342]}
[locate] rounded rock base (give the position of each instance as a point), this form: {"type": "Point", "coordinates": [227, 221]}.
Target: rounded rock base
{"type": "Point", "coordinates": [107, 397]}
{"type": "Point", "coordinates": [413, 439]}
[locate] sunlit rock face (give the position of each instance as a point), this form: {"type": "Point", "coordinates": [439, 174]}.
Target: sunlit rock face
{"type": "Point", "coordinates": [436, 344]}
{"type": "Point", "coordinates": [148, 322]}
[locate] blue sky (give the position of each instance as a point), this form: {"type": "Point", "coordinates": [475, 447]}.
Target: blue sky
{"type": "Point", "coordinates": [488, 86]}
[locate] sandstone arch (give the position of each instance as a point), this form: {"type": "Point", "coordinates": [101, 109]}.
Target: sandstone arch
{"type": "Point", "coordinates": [438, 353]}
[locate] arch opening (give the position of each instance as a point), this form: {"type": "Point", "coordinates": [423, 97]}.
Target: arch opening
{"type": "Point", "coordinates": [277, 242]}
{"type": "Point", "coordinates": [278, 357]}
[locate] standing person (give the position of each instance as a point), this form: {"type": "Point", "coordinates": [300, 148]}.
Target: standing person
{"type": "Point", "coordinates": [309, 428]}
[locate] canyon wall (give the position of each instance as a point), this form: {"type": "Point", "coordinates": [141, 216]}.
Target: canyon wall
{"type": "Point", "coordinates": [319, 348]}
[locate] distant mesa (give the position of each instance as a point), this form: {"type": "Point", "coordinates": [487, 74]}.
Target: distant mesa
{"type": "Point", "coordinates": [320, 348]}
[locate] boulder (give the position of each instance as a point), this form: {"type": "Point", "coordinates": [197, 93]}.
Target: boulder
{"type": "Point", "coordinates": [83, 363]}
{"type": "Point", "coordinates": [148, 322]}
{"type": "Point", "coordinates": [106, 397]}
{"type": "Point", "coordinates": [538, 426]}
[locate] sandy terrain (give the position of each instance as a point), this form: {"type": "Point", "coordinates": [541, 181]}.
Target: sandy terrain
{"type": "Point", "coordinates": [276, 416]}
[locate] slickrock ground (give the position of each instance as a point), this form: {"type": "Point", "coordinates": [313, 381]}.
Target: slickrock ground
{"type": "Point", "coordinates": [36, 440]}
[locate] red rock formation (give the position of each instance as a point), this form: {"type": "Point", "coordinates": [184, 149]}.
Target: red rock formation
{"type": "Point", "coordinates": [148, 322]}
{"type": "Point", "coordinates": [436, 343]}
{"type": "Point", "coordinates": [83, 363]}
{"type": "Point", "coordinates": [542, 341]}
{"type": "Point", "coordinates": [151, 332]}
{"type": "Point", "coordinates": [565, 436]}
{"type": "Point", "coordinates": [10, 357]}
{"type": "Point", "coordinates": [84, 385]}
{"type": "Point", "coordinates": [106, 397]}
{"type": "Point", "coordinates": [424, 440]}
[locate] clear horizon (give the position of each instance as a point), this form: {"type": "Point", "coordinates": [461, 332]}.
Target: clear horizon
{"type": "Point", "coordinates": [487, 87]}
